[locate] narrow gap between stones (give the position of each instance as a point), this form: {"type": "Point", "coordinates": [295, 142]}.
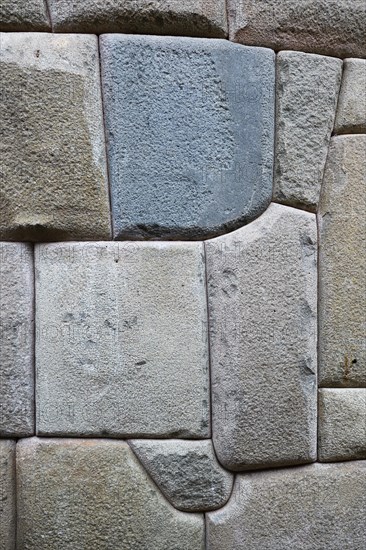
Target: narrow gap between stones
{"type": "Point", "coordinates": [48, 11]}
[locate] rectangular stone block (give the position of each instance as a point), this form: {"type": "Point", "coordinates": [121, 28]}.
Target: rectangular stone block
{"type": "Point", "coordinates": [262, 297]}
{"type": "Point", "coordinates": [342, 265]}
{"type": "Point", "coordinates": [307, 93]}
{"type": "Point", "coordinates": [7, 495]}
{"type": "Point", "coordinates": [342, 424]}
{"type": "Point", "coordinates": [351, 111]}
{"type": "Point", "coordinates": [16, 340]}
{"type": "Point", "coordinates": [121, 345]}
{"type": "Point", "coordinates": [168, 17]}
{"type": "Point", "coordinates": [54, 183]}
{"type": "Point", "coordinates": [24, 15]}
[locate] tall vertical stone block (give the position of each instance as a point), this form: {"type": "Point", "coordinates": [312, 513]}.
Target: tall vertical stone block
{"type": "Point", "coordinates": [121, 346]}
{"type": "Point", "coordinates": [342, 265]}
{"type": "Point", "coordinates": [16, 340]}
{"type": "Point", "coordinates": [262, 291]}
{"type": "Point", "coordinates": [24, 15]}
{"type": "Point", "coordinates": [307, 93]}
{"type": "Point", "coordinates": [190, 128]}
{"type": "Point", "coordinates": [54, 183]}
{"type": "Point", "coordinates": [351, 111]}
{"type": "Point", "coordinates": [7, 495]}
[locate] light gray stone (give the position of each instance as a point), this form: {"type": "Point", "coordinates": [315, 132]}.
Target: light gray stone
{"type": "Point", "coordinates": [351, 112]}
{"type": "Point", "coordinates": [24, 15]}
{"type": "Point", "coordinates": [54, 184]}
{"type": "Point", "coordinates": [7, 495]}
{"type": "Point", "coordinates": [329, 27]}
{"type": "Point", "coordinates": [262, 296]}
{"type": "Point", "coordinates": [94, 494]}
{"type": "Point", "coordinates": [121, 347]}
{"type": "Point", "coordinates": [16, 340]}
{"type": "Point", "coordinates": [342, 424]}
{"type": "Point", "coordinates": [171, 17]}
{"type": "Point", "coordinates": [342, 265]}
{"type": "Point", "coordinates": [307, 93]}
{"type": "Point", "coordinates": [190, 126]}
{"type": "Point", "coordinates": [187, 472]}
{"type": "Point", "coordinates": [320, 506]}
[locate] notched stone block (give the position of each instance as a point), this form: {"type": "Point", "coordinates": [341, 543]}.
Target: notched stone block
{"type": "Point", "coordinates": [54, 183]}
{"type": "Point", "coordinates": [187, 472]}
{"type": "Point", "coordinates": [94, 494]}
{"type": "Point", "coordinates": [262, 297]}
{"type": "Point", "coordinates": [24, 15]}
{"type": "Point", "coordinates": [7, 494]}
{"type": "Point", "coordinates": [169, 17]}
{"type": "Point", "coordinates": [351, 112]}
{"type": "Point", "coordinates": [16, 340]}
{"type": "Point", "coordinates": [121, 344]}
{"type": "Point", "coordinates": [190, 128]}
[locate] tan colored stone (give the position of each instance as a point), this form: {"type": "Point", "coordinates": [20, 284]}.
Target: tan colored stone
{"type": "Point", "coordinates": [342, 265]}
{"type": "Point", "coordinates": [24, 15]}
{"type": "Point", "coordinates": [351, 112]}
{"type": "Point", "coordinates": [7, 494]}
{"type": "Point", "coordinates": [54, 184]}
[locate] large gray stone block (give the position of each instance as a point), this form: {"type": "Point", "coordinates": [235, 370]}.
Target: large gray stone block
{"type": "Point", "coordinates": [190, 126]}
{"type": "Point", "coordinates": [54, 184]}
{"type": "Point", "coordinates": [16, 340]}
{"type": "Point", "coordinates": [351, 111]}
{"type": "Point", "coordinates": [121, 347]}
{"type": "Point", "coordinates": [307, 92]}
{"type": "Point", "coordinates": [24, 15]}
{"type": "Point", "coordinates": [342, 265]}
{"type": "Point", "coordinates": [315, 507]}
{"type": "Point", "coordinates": [7, 495]}
{"type": "Point", "coordinates": [329, 27]}
{"type": "Point", "coordinates": [262, 296]}
{"type": "Point", "coordinates": [170, 17]}
{"type": "Point", "coordinates": [342, 424]}
{"type": "Point", "coordinates": [94, 494]}
{"type": "Point", "coordinates": [187, 472]}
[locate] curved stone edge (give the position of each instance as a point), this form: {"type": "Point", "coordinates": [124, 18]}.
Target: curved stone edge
{"type": "Point", "coordinates": [351, 111]}
{"type": "Point", "coordinates": [24, 16]}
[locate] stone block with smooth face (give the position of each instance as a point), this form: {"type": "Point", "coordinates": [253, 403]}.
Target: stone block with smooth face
{"type": "Point", "coordinates": [121, 344]}
{"type": "Point", "coordinates": [190, 131]}
{"type": "Point", "coordinates": [262, 298]}
{"type": "Point", "coordinates": [351, 111]}
{"type": "Point", "coordinates": [16, 340]}
{"type": "Point", "coordinates": [7, 494]}
{"type": "Point", "coordinates": [53, 151]}
{"type": "Point", "coordinates": [24, 15]}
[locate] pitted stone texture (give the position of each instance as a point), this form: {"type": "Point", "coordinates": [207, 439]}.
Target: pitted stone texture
{"type": "Point", "coordinates": [187, 473]}
{"type": "Point", "coordinates": [313, 507]}
{"type": "Point", "coordinates": [54, 183]}
{"type": "Point", "coordinates": [16, 340]}
{"type": "Point", "coordinates": [342, 424]}
{"type": "Point", "coordinates": [94, 494]}
{"type": "Point", "coordinates": [171, 17]}
{"type": "Point", "coordinates": [7, 495]}
{"type": "Point", "coordinates": [342, 265]}
{"type": "Point", "coordinates": [24, 15]}
{"type": "Point", "coordinates": [328, 27]}
{"type": "Point", "coordinates": [351, 112]}
{"type": "Point", "coordinates": [190, 128]}
{"type": "Point", "coordinates": [307, 93]}
{"type": "Point", "coordinates": [122, 345]}
{"type": "Point", "coordinates": [262, 308]}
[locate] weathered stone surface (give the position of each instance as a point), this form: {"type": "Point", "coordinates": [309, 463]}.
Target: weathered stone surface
{"type": "Point", "coordinates": [171, 17]}
{"type": "Point", "coordinates": [342, 424]}
{"type": "Point", "coordinates": [311, 507]}
{"type": "Point", "coordinates": [262, 308]}
{"type": "Point", "coordinates": [351, 112]}
{"type": "Point", "coordinates": [54, 184]}
{"type": "Point", "coordinates": [16, 340]}
{"type": "Point", "coordinates": [24, 15]}
{"type": "Point", "coordinates": [329, 27]}
{"type": "Point", "coordinates": [187, 472]}
{"type": "Point", "coordinates": [7, 494]}
{"type": "Point", "coordinates": [342, 265]}
{"type": "Point", "coordinates": [190, 131]}
{"type": "Point", "coordinates": [307, 93]}
{"type": "Point", "coordinates": [121, 347]}
{"type": "Point", "coordinates": [95, 494]}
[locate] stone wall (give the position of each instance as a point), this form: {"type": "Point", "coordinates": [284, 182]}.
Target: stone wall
{"type": "Point", "coordinates": [182, 275]}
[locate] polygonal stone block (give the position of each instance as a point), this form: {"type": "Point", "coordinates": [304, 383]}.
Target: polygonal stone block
{"type": "Point", "coordinates": [54, 183]}
{"type": "Point", "coordinates": [7, 495]}
{"type": "Point", "coordinates": [24, 15]}
{"type": "Point", "coordinates": [351, 111]}
{"type": "Point", "coordinates": [121, 344]}
{"type": "Point", "coordinates": [262, 297]}
{"type": "Point", "coordinates": [190, 126]}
